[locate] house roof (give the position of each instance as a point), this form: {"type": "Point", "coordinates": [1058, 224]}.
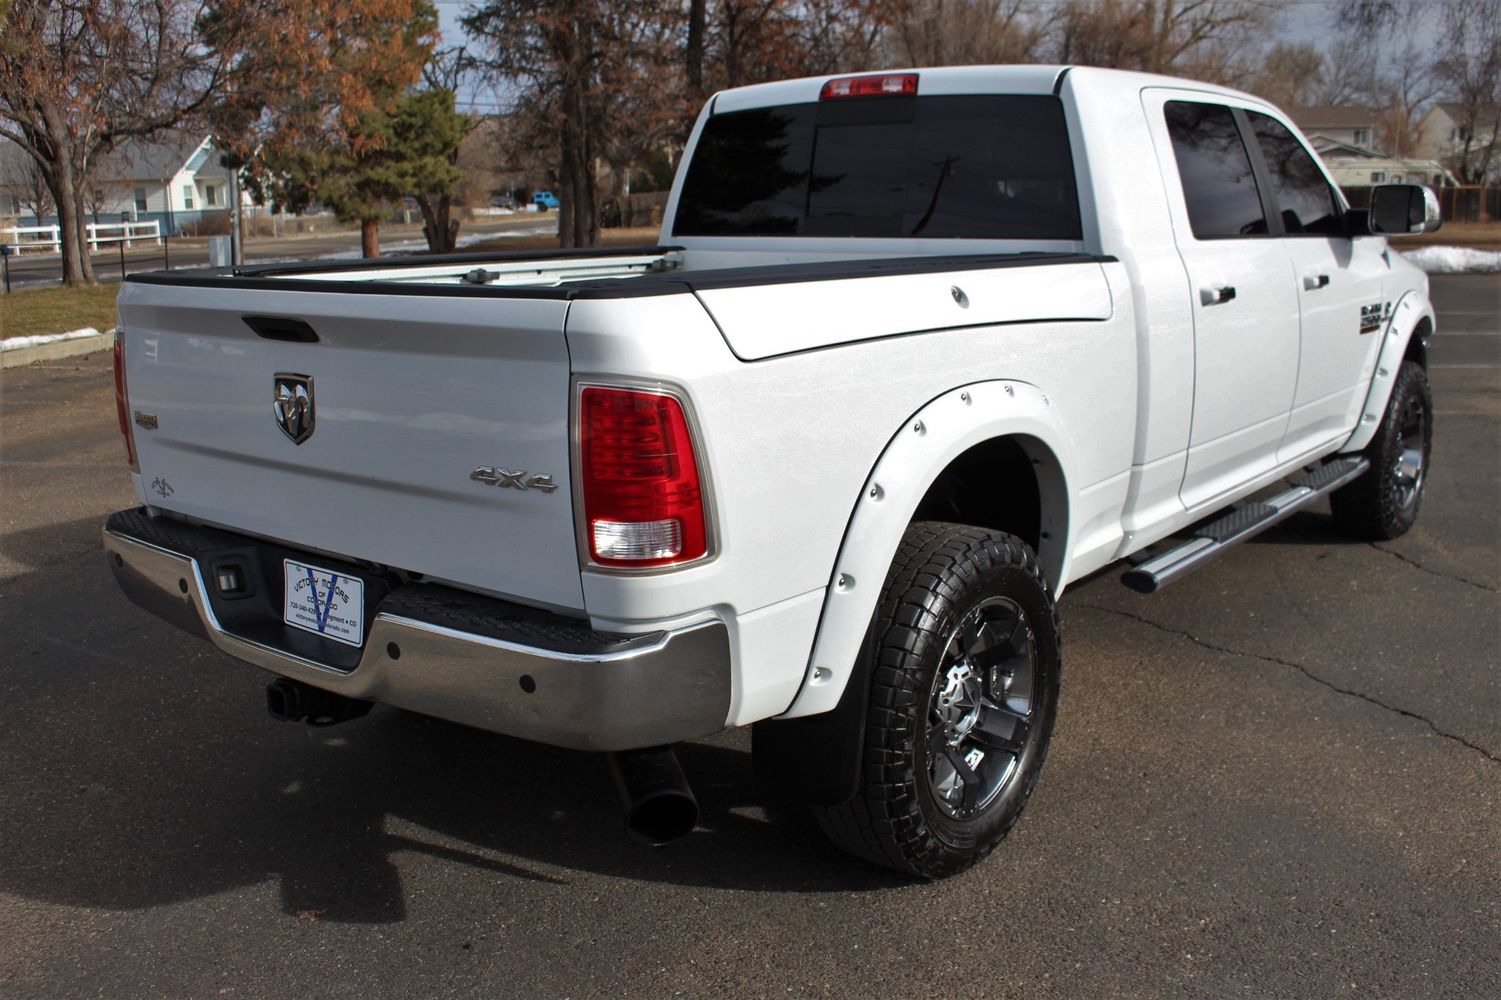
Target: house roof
{"type": "Point", "coordinates": [1327, 147]}
{"type": "Point", "coordinates": [1456, 111]}
{"type": "Point", "coordinates": [12, 159]}
{"type": "Point", "coordinates": [1333, 116]}
{"type": "Point", "coordinates": [133, 161]}
{"type": "Point", "coordinates": [155, 161]}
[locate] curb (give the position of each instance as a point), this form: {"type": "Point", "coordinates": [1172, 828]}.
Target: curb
{"type": "Point", "coordinates": [20, 356]}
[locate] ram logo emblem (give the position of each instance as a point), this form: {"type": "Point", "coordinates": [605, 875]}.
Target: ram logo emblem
{"type": "Point", "coordinates": [513, 480]}
{"type": "Point", "coordinates": [293, 404]}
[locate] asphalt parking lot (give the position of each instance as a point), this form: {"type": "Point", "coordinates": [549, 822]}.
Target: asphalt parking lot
{"type": "Point", "coordinates": [1279, 777]}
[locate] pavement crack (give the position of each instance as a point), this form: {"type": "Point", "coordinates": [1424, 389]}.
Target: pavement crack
{"type": "Point", "coordinates": [1300, 668]}
{"type": "Point", "coordinates": [1434, 572]}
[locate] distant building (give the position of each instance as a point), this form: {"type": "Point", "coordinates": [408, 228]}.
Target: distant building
{"type": "Point", "coordinates": [1350, 125]}
{"type": "Point", "coordinates": [1443, 132]}
{"type": "Point", "coordinates": [177, 181]}
{"type": "Point", "coordinates": [1354, 166]}
{"type": "Point", "coordinates": [1344, 138]}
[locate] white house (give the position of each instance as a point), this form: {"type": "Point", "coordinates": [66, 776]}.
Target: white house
{"type": "Point", "coordinates": [1350, 125]}
{"type": "Point", "coordinates": [177, 181]}
{"type": "Point", "coordinates": [1445, 128]}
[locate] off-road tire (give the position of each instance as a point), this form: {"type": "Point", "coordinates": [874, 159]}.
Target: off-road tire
{"type": "Point", "coordinates": [1384, 502]}
{"type": "Point", "coordinates": [943, 574]}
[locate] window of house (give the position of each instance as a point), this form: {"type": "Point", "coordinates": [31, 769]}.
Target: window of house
{"type": "Point", "coordinates": [1304, 199]}
{"type": "Point", "coordinates": [1215, 170]}
{"type": "Point", "coordinates": [187, 196]}
{"type": "Point", "coordinates": [1396, 178]}
{"type": "Point", "coordinates": [1378, 176]}
{"type": "Point", "coordinates": [210, 195]}
{"type": "Point", "coordinates": [9, 205]}
{"type": "Point", "coordinates": [1362, 137]}
{"type": "Point", "coordinates": [140, 199]}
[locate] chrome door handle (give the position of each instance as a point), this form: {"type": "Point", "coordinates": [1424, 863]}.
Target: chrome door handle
{"type": "Point", "coordinates": [1313, 282]}
{"type": "Point", "coordinates": [1213, 294]}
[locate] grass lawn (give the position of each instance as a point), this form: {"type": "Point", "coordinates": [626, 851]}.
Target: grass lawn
{"type": "Point", "coordinates": [34, 311]}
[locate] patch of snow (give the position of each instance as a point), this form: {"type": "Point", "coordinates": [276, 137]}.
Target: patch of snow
{"type": "Point", "coordinates": [1454, 260]}
{"type": "Point", "coordinates": [16, 343]}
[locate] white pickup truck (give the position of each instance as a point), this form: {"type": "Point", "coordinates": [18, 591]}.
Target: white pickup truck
{"type": "Point", "coordinates": [917, 350]}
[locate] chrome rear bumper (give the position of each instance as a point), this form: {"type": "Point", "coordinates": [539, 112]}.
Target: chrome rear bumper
{"type": "Point", "coordinates": [450, 658]}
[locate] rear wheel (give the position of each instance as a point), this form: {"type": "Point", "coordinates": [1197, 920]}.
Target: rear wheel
{"type": "Point", "coordinates": [964, 690]}
{"type": "Point", "coordinates": [1384, 502]}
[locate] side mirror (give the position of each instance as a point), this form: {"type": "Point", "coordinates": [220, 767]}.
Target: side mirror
{"type": "Point", "coordinates": [1400, 209]}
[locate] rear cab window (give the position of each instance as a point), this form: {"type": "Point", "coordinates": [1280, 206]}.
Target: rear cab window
{"type": "Point", "coordinates": [963, 166]}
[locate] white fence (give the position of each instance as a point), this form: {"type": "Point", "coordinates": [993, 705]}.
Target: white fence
{"type": "Point", "coordinates": [47, 239]}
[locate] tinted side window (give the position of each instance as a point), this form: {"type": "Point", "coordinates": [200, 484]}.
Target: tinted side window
{"type": "Point", "coordinates": [1307, 205]}
{"type": "Point", "coordinates": [1218, 184]}
{"type": "Point", "coordinates": [982, 167]}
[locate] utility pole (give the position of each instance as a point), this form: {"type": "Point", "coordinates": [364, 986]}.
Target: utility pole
{"type": "Point", "coordinates": [236, 221]}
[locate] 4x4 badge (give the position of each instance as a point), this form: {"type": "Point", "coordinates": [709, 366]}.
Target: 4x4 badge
{"type": "Point", "coordinates": [293, 404]}
{"type": "Point", "coordinates": [510, 479]}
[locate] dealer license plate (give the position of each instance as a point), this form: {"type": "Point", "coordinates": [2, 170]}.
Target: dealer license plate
{"type": "Point", "coordinates": [322, 601]}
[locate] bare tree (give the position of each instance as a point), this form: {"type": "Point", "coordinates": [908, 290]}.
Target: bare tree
{"type": "Point", "coordinates": [1352, 70]}
{"type": "Point", "coordinates": [95, 198]}
{"type": "Point", "coordinates": [1289, 74]}
{"type": "Point", "coordinates": [1469, 71]}
{"type": "Point", "coordinates": [1203, 38]}
{"type": "Point", "coordinates": [837, 36]}
{"type": "Point", "coordinates": [1405, 88]}
{"type": "Point", "coordinates": [580, 75]}
{"type": "Point", "coordinates": [78, 77]}
{"type": "Point", "coordinates": [965, 32]}
{"type": "Point", "coordinates": [25, 178]}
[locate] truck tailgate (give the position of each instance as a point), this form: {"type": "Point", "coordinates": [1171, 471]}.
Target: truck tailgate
{"type": "Point", "coordinates": [410, 394]}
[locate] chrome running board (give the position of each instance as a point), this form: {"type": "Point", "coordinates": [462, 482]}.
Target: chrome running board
{"type": "Point", "coordinates": [1241, 522]}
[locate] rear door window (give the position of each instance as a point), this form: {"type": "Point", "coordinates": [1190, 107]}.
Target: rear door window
{"type": "Point", "coordinates": [1215, 169]}
{"type": "Point", "coordinates": [1304, 200]}
{"type": "Point", "coordinates": [980, 167]}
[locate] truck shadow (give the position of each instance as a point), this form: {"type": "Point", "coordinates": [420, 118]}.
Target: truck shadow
{"type": "Point", "coordinates": [141, 769]}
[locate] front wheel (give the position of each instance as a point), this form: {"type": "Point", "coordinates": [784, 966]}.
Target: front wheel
{"type": "Point", "coordinates": [1383, 503]}
{"type": "Point", "coordinates": [964, 690]}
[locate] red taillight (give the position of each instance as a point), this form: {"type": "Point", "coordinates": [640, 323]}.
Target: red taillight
{"type": "Point", "coordinates": [876, 85]}
{"type": "Point", "coordinates": [122, 407]}
{"type": "Point", "coordinates": [643, 503]}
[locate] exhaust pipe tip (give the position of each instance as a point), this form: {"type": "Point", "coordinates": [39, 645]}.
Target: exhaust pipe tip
{"type": "Point", "coordinates": [661, 819]}
{"type": "Point", "coordinates": [659, 805]}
